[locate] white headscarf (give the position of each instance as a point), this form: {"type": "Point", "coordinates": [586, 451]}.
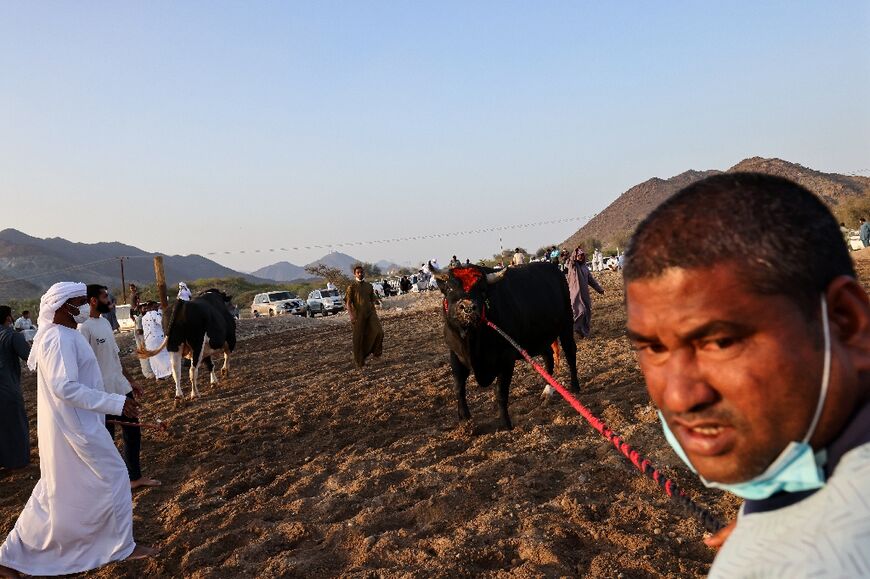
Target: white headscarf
{"type": "Point", "coordinates": [56, 296]}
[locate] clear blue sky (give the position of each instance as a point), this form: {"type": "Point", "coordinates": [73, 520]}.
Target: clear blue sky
{"type": "Point", "coordinates": [247, 125]}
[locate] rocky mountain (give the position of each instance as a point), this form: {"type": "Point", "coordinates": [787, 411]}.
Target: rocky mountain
{"type": "Point", "coordinates": [282, 271]}
{"type": "Point", "coordinates": [42, 262]}
{"type": "Point", "coordinates": [285, 271]}
{"type": "Point", "coordinates": [337, 260]}
{"type": "Point", "coordinates": [615, 224]}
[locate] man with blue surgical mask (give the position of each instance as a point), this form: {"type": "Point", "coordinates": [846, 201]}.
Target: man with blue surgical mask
{"type": "Point", "coordinates": [755, 346]}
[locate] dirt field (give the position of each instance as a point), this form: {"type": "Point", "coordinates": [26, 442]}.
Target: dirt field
{"type": "Point", "coordinates": [299, 466]}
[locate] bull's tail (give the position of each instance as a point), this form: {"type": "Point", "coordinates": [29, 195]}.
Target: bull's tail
{"type": "Point", "coordinates": [143, 353]}
{"type": "Point", "coordinates": [555, 347]}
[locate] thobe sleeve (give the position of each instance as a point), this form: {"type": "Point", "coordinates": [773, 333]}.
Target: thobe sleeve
{"type": "Point", "coordinates": [22, 348]}
{"type": "Point", "coordinates": [61, 372]}
{"type": "Point", "coordinates": [595, 285]}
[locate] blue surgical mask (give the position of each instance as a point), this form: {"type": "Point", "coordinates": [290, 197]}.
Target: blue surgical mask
{"type": "Point", "coordinates": [797, 468]}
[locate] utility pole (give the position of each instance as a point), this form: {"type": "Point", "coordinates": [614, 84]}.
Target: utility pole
{"type": "Point", "coordinates": [161, 282]}
{"type": "Point", "coordinates": [123, 282]}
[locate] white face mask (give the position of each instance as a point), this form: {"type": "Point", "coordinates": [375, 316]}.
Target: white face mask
{"type": "Point", "coordinates": [797, 468]}
{"type": "Point", "coordinates": [84, 313]}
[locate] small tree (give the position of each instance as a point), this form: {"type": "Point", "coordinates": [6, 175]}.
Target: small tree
{"type": "Point", "coordinates": [330, 274]}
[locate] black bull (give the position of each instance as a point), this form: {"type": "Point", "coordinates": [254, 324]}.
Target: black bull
{"type": "Point", "coordinates": [530, 303]}
{"type": "Point", "coordinates": [197, 329]}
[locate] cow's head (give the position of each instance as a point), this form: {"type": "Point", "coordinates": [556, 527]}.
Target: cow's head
{"type": "Point", "coordinates": [464, 290]}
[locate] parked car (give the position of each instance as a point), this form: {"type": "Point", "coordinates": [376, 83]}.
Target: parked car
{"type": "Point", "coordinates": [324, 302]}
{"type": "Point", "coordinates": [278, 303]}
{"type": "Point", "coordinates": [125, 321]}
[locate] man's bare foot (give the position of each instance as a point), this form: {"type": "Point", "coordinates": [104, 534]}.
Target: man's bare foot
{"type": "Point", "coordinates": [8, 573]}
{"type": "Point", "coordinates": [142, 552]}
{"type": "Point", "coordinates": [144, 482]}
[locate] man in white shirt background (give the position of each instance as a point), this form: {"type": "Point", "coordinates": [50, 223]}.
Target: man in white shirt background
{"type": "Point", "coordinates": [25, 325]}
{"type": "Point", "coordinates": [116, 380]}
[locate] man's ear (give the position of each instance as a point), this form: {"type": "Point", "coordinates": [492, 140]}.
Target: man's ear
{"type": "Point", "coordinates": [849, 314]}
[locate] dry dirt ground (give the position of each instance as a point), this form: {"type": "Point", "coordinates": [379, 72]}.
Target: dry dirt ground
{"type": "Point", "coordinates": [297, 465]}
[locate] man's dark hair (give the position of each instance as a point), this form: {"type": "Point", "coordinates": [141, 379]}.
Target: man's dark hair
{"type": "Point", "coordinates": [25, 312]}
{"type": "Point", "coordinates": [783, 237]}
{"type": "Point", "coordinates": [358, 267]}
{"type": "Point", "coordinates": [95, 289]}
{"type": "Point", "coordinates": [5, 312]}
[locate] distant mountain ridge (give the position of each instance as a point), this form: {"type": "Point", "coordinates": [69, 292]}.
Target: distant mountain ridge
{"type": "Point", "coordinates": [615, 224]}
{"type": "Point", "coordinates": [285, 271]}
{"type": "Point", "coordinates": [282, 271]}
{"type": "Point", "coordinates": [46, 261]}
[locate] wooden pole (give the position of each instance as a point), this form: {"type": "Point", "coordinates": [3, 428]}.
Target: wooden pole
{"type": "Point", "coordinates": [161, 282]}
{"type": "Point", "coordinates": [123, 282]}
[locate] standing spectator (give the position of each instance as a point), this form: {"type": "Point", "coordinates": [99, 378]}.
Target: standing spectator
{"type": "Point", "coordinates": [454, 262]}
{"type": "Point", "coordinates": [847, 233]}
{"type": "Point", "coordinates": [116, 380]}
{"type": "Point", "coordinates": [133, 300]}
{"type": "Point", "coordinates": [433, 268]}
{"type": "Point", "coordinates": [183, 292]}
{"type": "Point", "coordinates": [24, 322]}
{"type": "Point", "coordinates": [14, 428]}
{"type": "Point", "coordinates": [579, 280]}
{"type": "Point", "coordinates": [519, 258]}
{"type": "Point", "coordinates": [152, 328]}
{"type": "Point", "coordinates": [25, 326]}
{"type": "Point", "coordinates": [111, 316]}
{"type": "Point", "coordinates": [139, 336]}
{"type": "Point", "coordinates": [368, 335]}
{"type": "Point", "coordinates": [864, 232]}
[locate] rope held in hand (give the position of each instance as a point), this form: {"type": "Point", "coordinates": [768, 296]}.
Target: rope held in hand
{"type": "Point", "coordinates": [710, 522]}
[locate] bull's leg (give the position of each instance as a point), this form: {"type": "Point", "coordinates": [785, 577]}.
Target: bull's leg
{"type": "Point", "coordinates": [212, 378]}
{"type": "Point", "coordinates": [225, 370]}
{"type": "Point", "coordinates": [194, 366]}
{"type": "Point", "coordinates": [175, 363]}
{"type": "Point", "coordinates": [549, 365]}
{"type": "Point", "coordinates": [504, 386]}
{"type": "Point", "coordinates": [569, 347]}
{"type": "Point", "coordinates": [460, 377]}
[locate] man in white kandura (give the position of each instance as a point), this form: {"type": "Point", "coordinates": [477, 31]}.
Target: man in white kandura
{"type": "Point", "coordinates": [152, 326]}
{"type": "Point", "coordinates": [183, 291]}
{"type": "Point", "coordinates": [80, 514]}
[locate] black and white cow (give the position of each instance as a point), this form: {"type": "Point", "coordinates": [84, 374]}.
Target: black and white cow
{"type": "Point", "coordinates": [198, 329]}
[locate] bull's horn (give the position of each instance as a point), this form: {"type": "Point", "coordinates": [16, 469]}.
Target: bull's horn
{"type": "Point", "coordinates": [496, 276]}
